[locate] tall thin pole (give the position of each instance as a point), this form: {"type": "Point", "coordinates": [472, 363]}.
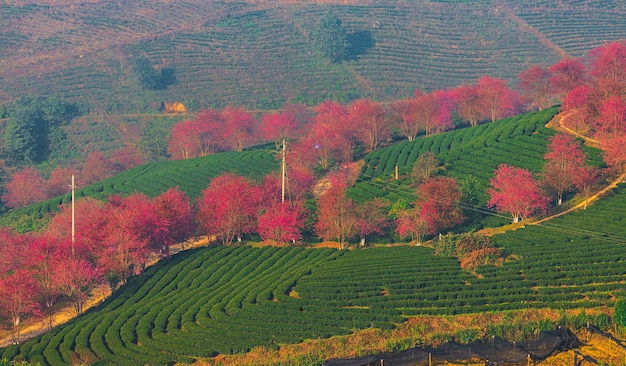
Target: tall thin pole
{"type": "Point", "coordinates": [283, 171]}
{"type": "Point", "coordinates": [73, 214]}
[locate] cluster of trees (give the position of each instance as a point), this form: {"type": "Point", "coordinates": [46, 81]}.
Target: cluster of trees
{"type": "Point", "coordinates": [514, 190]}
{"type": "Point", "coordinates": [149, 77]}
{"type": "Point", "coordinates": [332, 132]}
{"type": "Point", "coordinates": [114, 240]}
{"type": "Point", "coordinates": [593, 95]}
{"type": "Point", "coordinates": [29, 185]}
{"type": "Point", "coordinates": [33, 129]}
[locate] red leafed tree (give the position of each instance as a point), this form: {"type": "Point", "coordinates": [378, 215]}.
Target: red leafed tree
{"type": "Point", "coordinates": [238, 129]}
{"type": "Point", "coordinates": [614, 150]}
{"type": "Point", "coordinates": [300, 180]}
{"type": "Point", "coordinates": [228, 207]}
{"type": "Point", "coordinates": [405, 118]}
{"type": "Point", "coordinates": [565, 162]}
{"type": "Point", "coordinates": [95, 168]}
{"type": "Point", "coordinates": [432, 111]}
{"type": "Point", "coordinates": [534, 83]}
{"type": "Point", "coordinates": [279, 127]}
{"type": "Point", "coordinates": [439, 197]}
{"type": "Point", "coordinates": [468, 103]}
{"type": "Point", "coordinates": [566, 75]}
{"type": "Point", "coordinates": [575, 104]}
{"type": "Point", "coordinates": [371, 122]}
{"type": "Point", "coordinates": [371, 218]}
{"type": "Point", "coordinates": [414, 224]}
{"type": "Point", "coordinates": [42, 250]}
{"type": "Point", "coordinates": [7, 251]}
{"type": "Point", "coordinates": [611, 118]}
{"type": "Point", "coordinates": [24, 188]}
{"type": "Point", "coordinates": [514, 190]}
{"type": "Point", "coordinates": [18, 299]}
{"type": "Point", "coordinates": [209, 126]}
{"type": "Point", "coordinates": [90, 223]}
{"type": "Point", "coordinates": [133, 228]}
{"type": "Point", "coordinates": [497, 99]}
{"type": "Point", "coordinates": [331, 134]}
{"type": "Point", "coordinates": [74, 278]}
{"type": "Point", "coordinates": [183, 142]}
{"type": "Point", "coordinates": [608, 68]}
{"type": "Point", "coordinates": [198, 137]}
{"type": "Point", "coordinates": [125, 158]}
{"type": "Point", "coordinates": [336, 212]}
{"type": "Point", "coordinates": [174, 209]}
{"type": "Point", "coordinates": [281, 223]}
{"type": "Point", "coordinates": [59, 181]}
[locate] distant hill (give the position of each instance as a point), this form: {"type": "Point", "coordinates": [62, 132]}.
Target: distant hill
{"type": "Point", "coordinates": [258, 54]}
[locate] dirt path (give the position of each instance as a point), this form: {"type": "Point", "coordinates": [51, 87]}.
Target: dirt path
{"type": "Point", "coordinates": [583, 204]}
{"type": "Point", "coordinates": [558, 123]}
{"type": "Point", "coordinates": [62, 316]}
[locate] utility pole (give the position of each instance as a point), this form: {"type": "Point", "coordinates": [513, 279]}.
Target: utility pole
{"type": "Point", "coordinates": [283, 171]}
{"type": "Point", "coordinates": [73, 187]}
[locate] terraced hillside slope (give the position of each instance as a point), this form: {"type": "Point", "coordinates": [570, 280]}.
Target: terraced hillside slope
{"type": "Point", "coordinates": [227, 300]}
{"type": "Point", "coordinates": [259, 54]}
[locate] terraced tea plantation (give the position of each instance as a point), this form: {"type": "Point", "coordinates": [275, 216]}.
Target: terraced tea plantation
{"type": "Point", "coordinates": [475, 151]}
{"type": "Point", "coordinates": [260, 55]}
{"type": "Point", "coordinates": [190, 175]}
{"type": "Point", "coordinates": [224, 300]}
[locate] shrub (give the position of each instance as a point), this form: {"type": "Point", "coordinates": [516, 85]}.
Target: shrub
{"type": "Point", "coordinates": [481, 257]}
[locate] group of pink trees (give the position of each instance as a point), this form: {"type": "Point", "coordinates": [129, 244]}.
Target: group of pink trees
{"type": "Point", "coordinates": [516, 191]}
{"type": "Point", "coordinates": [114, 240]}
{"type": "Point", "coordinates": [593, 96]}
{"type": "Point", "coordinates": [330, 131]}
{"type": "Point", "coordinates": [28, 185]}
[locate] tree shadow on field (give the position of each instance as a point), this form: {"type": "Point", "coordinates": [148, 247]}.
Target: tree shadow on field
{"type": "Point", "coordinates": [358, 44]}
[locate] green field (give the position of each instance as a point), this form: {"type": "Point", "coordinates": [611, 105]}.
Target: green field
{"type": "Point", "coordinates": [477, 151]}
{"type": "Point", "coordinates": [227, 300]}
{"type": "Point", "coordinates": [259, 56]}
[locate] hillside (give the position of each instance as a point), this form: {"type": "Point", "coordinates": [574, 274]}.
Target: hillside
{"type": "Point", "coordinates": [181, 309]}
{"type": "Point", "coordinates": [273, 296]}
{"type": "Point", "coordinates": [258, 54]}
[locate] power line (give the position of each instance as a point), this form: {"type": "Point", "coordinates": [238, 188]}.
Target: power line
{"type": "Point", "coordinates": [565, 229]}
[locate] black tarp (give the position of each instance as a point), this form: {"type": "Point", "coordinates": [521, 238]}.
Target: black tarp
{"type": "Point", "coordinates": [494, 352]}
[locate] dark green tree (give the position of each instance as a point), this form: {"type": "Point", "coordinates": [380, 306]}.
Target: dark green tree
{"type": "Point", "coordinates": [34, 128]}
{"type": "Point", "coordinates": [23, 135]}
{"type": "Point", "coordinates": [330, 39]}
{"type": "Point", "coordinates": [145, 74]}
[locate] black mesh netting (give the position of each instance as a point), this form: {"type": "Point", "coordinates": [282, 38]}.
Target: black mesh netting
{"type": "Point", "coordinates": [495, 352]}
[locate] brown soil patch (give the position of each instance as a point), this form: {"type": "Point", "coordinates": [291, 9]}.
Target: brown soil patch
{"type": "Point", "coordinates": [327, 244]}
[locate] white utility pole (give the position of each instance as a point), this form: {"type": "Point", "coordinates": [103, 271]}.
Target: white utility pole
{"type": "Point", "coordinates": [73, 187]}
{"type": "Point", "coordinates": [283, 171]}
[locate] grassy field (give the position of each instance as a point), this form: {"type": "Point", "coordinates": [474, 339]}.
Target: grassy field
{"type": "Point", "coordinates": [259, 55]}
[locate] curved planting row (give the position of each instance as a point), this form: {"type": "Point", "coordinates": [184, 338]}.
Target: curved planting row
{"type": "Point", "coordinates": [219, 300]}
{"type": "Point", "coordinates": [229, 299]}
{"type": "Point", "coordinates": [476, 151]}
{"type": "Point", "coordinates": [576, 30]}
{"type": "Point", "coordinates": [190, 175]}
